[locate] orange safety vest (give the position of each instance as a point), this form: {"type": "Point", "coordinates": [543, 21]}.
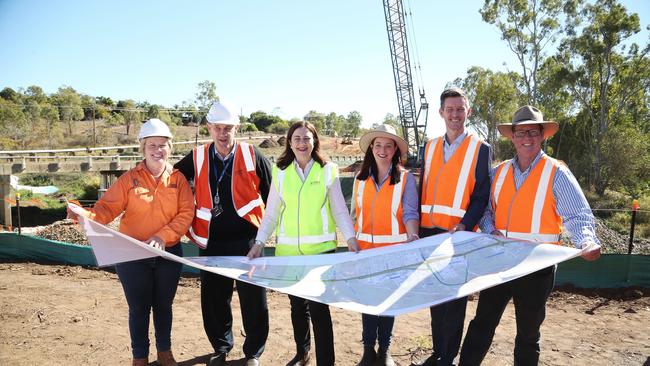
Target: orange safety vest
{"type": "Point", "coordinates": [379, 213]}
{"type": "Point", "coordinates": [527, 213]}
{"type": "Point", "coordinates": [245, 190]}
{"type": "Point", "coordinates": [447, 187]}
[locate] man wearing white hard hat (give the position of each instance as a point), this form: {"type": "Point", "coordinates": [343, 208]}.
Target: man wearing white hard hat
{"type": "Point", "coordinates": [231, 183]}
{"type": "Point", "coordinates": [158, 195]}
{"type": "Point", "coordinates": [533, 197]}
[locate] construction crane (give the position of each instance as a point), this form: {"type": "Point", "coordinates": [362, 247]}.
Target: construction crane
{"type": "Point", "coordinates": [413, 124]}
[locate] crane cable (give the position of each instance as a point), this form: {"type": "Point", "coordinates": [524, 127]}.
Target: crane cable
{"type": "Point", "coordinates": [410, 29]}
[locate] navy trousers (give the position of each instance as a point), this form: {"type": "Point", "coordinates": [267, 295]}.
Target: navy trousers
{"type": "Point", "coordinates": [529, 294]}
{"type": "Point", "coordinates": [447, 322]}
{"type": "Point", "coordinates": [216, 295]}
{"type": "Point", "coordinates": [150, 284]}
{"type": "Point", "coordinates": [377, 328]}
{"type": "Point", "coordinates": [301, 312]}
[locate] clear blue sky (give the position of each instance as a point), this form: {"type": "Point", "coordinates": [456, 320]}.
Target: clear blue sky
{"type": "Point", "coordinates": [283, 57]}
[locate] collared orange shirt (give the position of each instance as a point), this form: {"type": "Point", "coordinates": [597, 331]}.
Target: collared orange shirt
{"type": "Point", "coordinates": [164, 209]}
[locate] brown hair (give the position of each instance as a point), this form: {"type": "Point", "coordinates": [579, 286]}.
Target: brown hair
{"type": "Point", "coordinates": [287, 156]}
{"type": "Point", "coordinates": [452, 92]}
{"type": "Point", "coordinates": [369, 166]}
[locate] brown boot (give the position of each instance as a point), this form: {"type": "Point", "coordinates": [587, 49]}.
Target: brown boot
{"type": "Point", "coordinates": [140, 362]}
{"type": "Point", "coordinates": [166, 358]}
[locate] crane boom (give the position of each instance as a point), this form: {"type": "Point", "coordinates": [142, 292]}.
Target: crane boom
{"type": "Point", "coordinates": [399, 50]}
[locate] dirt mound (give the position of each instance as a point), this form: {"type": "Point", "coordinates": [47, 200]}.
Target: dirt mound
{"type": "Point", "coordinates": [65, 230]}
{"type": "Point", "coordinates": [268, 143]}
{"type": "Point", "coordinates": [352, 168]}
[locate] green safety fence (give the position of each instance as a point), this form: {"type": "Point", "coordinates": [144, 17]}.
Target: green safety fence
{"type": "Point", "coordinates": [610, 271]}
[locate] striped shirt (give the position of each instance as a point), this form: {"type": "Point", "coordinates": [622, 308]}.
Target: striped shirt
{"type": "Point", "coordinates": [449, 149]}
{"type": "Point", "coordinates": [571, 203]}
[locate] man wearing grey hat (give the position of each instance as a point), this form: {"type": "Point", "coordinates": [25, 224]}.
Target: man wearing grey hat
{"type": "Point", "coordinates": [532, 197]}
{"type": "Point", "coordinates": [231, 183]}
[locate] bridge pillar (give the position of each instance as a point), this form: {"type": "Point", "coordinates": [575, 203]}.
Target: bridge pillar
{"type": "Point", "coordinates": [107, 179]}
{"type": "Point", "coordinates": [5, 194]}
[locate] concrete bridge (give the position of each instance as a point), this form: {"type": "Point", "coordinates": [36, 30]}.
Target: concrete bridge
{"type": "Point", "coordinates": [110, 162]}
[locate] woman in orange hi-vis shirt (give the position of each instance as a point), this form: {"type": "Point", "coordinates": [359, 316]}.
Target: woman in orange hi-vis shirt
{"type": "Point", "coordinates": [385, 206]}
{"type": "Point", "coordinates": [158, 207]}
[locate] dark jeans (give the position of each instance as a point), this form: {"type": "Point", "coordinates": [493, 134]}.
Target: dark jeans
{"type": "Point", "coordinates": [150, 284]}
{"type": "Point", "coordinates": [447, 321]}
{"type": "Point", "coordinates": [375, 328]}
{"type": "Point", "coordinates": [216, 295]}
{"type": "Point", "coordinates": [529, 294]}
{"type": "Point", "coordinates": [301, 311]}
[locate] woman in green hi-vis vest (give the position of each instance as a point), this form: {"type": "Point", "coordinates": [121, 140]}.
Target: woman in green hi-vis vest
{"type": "Point", "coordinates": [304, 207]}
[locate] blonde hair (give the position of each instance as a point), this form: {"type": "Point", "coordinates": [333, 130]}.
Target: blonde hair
{"type": "Point", "coordinates": [144, 141]}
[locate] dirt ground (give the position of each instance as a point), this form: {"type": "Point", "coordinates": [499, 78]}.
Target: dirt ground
{"type": "Point", "coordinates": [69, 315]}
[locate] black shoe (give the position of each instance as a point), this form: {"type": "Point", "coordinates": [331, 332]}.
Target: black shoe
{"type": "Point", "coordinates": [369, 356]}
{"type": "Point", "coordinates": [429, 361]}
{"type": "Point", "coordinates": [384, 358]}
{"type": "Point", "coordinates": [218, 359]}
{"type": "Point", "coordinates": [300, 360]}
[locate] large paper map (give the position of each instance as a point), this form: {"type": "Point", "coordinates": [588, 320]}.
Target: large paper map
{"type": "Point", "coordinates": [388, 281]}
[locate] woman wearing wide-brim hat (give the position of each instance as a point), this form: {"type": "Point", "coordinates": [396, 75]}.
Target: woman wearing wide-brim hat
{"type": "Point", "coordinates": [385, 208]}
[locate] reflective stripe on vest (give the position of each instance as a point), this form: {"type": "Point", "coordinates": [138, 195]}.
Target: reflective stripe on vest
{"type": "Point", "coordinates": [245, 190]}
{"type": "Point", "coordinates": [514, 215]}
{"type": "Point", "coordinates": [440, 206]}
{"type": "Point", "coordinates": [376, 233]}
{"type": "Point", "coordinates": [306, 224]}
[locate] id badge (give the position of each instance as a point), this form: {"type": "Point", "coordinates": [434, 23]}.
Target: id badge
{"type": "Point", "coordinates": [216, 209]}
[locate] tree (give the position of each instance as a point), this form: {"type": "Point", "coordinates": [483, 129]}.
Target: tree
{"type": "Point", "coordinates": [333, 124]}
{"type": "Point", "coordinates": [206, 95]}
{"type": "Point", "coordinates": [391, 119]}
{"type": "Point", "coordinates": [279, 128]}
{"type": "Point", "coordinates": [68, 101]}
{"type": "Point", "coordinates": [263, 121]}
{"type": "Point", "coordinates": [353, 123]}
{"type": "Point", "coordinates": [315, 118]}
{"type": "Point", "coordinates": [621, 172]}
{"type": "Point", "coordinates": [50, 114]}
{"type": "Point", "coordinates": [12, 124]}
{"type": "Point", "coordinates": [10, 95]}
{"type": "Point", "coordinates": [493, 97]}
{"type": "Point", "coordinates": [603, 72]}
{"type": "Point", "coordinates": [89, 105]}
{"type": "Point", "coordinates": [529, 27]}
{"type": "Point", "coordinates": [35, 93]}
{"type": "Point", "coordinates": [130, 113]}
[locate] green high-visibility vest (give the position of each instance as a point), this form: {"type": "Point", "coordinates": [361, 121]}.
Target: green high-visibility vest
{"type": "Point", "coordinates": [306, 225]}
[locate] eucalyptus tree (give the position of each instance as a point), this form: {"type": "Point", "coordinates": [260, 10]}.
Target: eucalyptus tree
{"type": "Point", "coordinates": [493, 97]}
{"type": "Point", "coordinates": [605, 73]}
{"type": "Point", "coordinates": [68, 101]}
{"type": "Point", "coordinates": [531, 28]}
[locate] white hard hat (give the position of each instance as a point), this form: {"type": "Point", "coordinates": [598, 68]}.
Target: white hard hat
{"type": "Point", "coordinates": [220, 114]}
{"type": "Point", "coordinates": [154, 127]}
